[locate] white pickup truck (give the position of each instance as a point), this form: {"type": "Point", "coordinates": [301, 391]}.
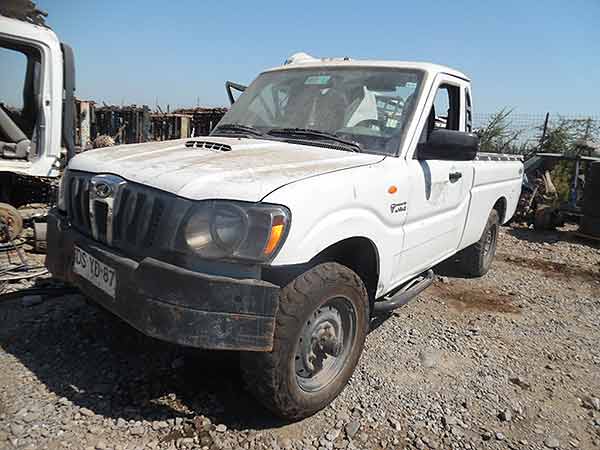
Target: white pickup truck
{"type": "Point", "coordinates": [324, 196]}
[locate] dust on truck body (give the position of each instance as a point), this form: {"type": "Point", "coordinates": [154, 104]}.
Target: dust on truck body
{"type": "Point", "coordinates": [325, 195]}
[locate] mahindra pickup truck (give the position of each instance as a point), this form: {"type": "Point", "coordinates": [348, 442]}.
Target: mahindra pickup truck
{"type": "Point", "coordinates": [324, 196]}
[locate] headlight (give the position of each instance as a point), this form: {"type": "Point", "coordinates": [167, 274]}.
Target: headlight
{"type": "Point", "coordinates": [236, 230]}
{"type": "Point", "coordinates": [62, 185]}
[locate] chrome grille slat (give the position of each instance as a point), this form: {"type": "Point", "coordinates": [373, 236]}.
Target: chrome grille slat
{"type": "Point", "coordinates": [129, 219]}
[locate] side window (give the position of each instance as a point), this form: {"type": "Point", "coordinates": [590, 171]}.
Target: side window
{"type": "Point", "coordinates": [14, 72]}
{"type": "Point", "coordinates": [19, 89]}
{"type": "Point", "coordinates": [445, 111]}
{"type": "Point", "coordinates": [446, 107]}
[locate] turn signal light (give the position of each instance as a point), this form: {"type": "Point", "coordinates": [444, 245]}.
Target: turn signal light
{"type": "Point", "coordinates": [274, 236]}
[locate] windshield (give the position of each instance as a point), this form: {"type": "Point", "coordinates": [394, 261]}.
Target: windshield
{"type": "Point", "coordinates": [367, 105]}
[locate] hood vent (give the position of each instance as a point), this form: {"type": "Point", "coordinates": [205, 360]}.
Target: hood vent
{"type": "Point", "coordinates": [209, 145]}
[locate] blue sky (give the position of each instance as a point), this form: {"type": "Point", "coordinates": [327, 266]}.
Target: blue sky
{"type": "Point", "coordinates": [530, 55]}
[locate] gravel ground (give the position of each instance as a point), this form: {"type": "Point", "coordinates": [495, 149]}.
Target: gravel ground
{"type": "Point", "coordinates": [511, 360]}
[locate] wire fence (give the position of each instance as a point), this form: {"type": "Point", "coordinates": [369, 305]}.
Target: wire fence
{"type": "Point", "coordinates": [528, 128]}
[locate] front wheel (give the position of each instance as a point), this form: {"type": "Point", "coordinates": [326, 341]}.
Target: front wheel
{"type": "Point", "coordinates": [476, 260]}
{"type": "Point", "coordinates": [319, 335]}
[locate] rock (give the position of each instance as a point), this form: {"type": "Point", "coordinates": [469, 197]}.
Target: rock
{"type": "Point", "coordinates": [186, 442]}
{"type": "Point", "coordinates": [500, 436]}
{"type": "Point", "coordinates": [343, 416]}
{"type": "Point", "coordinates": [430, 359]}
{"type": "Point", "coordinates": [449, 421]}
{"type": "Point", "coordinates": [352, 428]}
{"type": "Point", "coordinates": [332, 435]}
{"type": "Point", "coordinates": [506, 415]}
{"type": "Point", "coordinates": [16, 429]}
{"type": "Point", "coordinates": [551, 442]}
{"type": "Point", "coordinates": [591, 403]}
{"type": "Point", "coordinates": [64, 401]}
{"type": "Point", "coordinates": [522, 383]}
{"type": "Point", "coordinates": [221, 428]}
{"type": "Point", "coordinates": [86, 412]}
{"type": "Point", "coordinates": [137, 430]}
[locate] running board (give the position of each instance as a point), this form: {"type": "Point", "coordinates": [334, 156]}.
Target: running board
{"type": "Point", "coordinates": [404, 295]}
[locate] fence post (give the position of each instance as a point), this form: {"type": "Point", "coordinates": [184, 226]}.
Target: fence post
{"type": "Point", "coordinates": [544, 130]}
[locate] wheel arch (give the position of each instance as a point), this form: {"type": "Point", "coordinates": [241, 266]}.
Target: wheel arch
{"type": "Point", "coordinates": [358, 253]}
{"type": "Point", "coordinates": [500, 206]}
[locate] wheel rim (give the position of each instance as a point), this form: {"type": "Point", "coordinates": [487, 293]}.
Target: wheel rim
{"type": "Point", "coordinates": [325, 344]}
{"type": "Point", "coordinates": [489, 246]}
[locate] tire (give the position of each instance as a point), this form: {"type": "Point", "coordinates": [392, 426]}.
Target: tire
{"type": "Point", "coordinates": [476, 260]}
{"type": "Point", "coordinates": [328, 294]}
{"type": "Point", "coordinates": [11, 223]}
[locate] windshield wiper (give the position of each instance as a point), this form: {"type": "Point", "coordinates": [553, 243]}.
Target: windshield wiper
{"type": "Point", "coordinates": [238, 127]}
{"type": "Point", "coordinates": [307, 132]}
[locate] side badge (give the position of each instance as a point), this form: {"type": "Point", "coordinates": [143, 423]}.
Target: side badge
{"type": "Point", "coordinates": [397, 207]}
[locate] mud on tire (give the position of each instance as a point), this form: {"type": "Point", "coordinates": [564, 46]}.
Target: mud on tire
{"type": "Point", "coordinates": [279, 379]}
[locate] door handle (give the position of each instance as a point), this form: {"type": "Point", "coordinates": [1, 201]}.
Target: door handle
{"type": "Point", "coordinates": [454, 176]}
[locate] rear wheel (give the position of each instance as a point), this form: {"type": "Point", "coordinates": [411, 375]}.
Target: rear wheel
{"type": "Point", "coordinates": [11, 223]}
{"type": "Point", "coordinates": [319, 335]}
{"type": "Point", "coordinates": [476, 260]}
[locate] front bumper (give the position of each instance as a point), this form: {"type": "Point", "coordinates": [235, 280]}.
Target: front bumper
{"type": "Point", "coordinates": [168, 302]}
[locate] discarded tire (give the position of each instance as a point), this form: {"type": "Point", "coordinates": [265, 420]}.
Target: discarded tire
{"type": "Point", "coordinates": [591, 195]}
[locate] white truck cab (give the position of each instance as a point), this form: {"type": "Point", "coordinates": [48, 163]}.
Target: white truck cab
{"type": "Point", "coordinates": [325, 195]}
{"type": "Point", "coordinates": [37, 134]}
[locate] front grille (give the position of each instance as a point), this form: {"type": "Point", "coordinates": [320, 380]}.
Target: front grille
{"type": "Point", "coordinates": [142, 217]}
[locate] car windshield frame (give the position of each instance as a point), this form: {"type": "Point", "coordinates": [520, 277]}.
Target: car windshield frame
{"type": "Point", "coordinates": [260, 107]}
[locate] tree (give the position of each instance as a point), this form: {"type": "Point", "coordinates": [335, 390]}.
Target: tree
{"type": "Point", "coordinates": [498, 135]}
{"type": "Point", "coordinates": [571, 137]}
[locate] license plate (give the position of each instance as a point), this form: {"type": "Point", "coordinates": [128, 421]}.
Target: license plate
{"type": "Point", "coordinates": [95, 271]}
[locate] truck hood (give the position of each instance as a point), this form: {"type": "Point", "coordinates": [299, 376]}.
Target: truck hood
{"type": "Point", "coordinates": [217, 167]}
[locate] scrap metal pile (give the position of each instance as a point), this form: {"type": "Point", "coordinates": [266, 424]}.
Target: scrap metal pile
{"type": "Point", "coordinates": [184, 123]}
{"type": "Point", "coordinates": [107, 125]}
{"type": "Point", "coordinates": [541, 204]}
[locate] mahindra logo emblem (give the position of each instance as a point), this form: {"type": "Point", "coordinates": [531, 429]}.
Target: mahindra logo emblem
{"type": "Point", "coordinates": [103, 190]}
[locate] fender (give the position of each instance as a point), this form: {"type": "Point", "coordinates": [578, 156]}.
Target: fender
{"type": "Point", "coordinates": [356, 211]}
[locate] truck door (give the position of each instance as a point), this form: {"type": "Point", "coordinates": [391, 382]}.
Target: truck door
{"type": "Point", "coordinates": [440, 189]}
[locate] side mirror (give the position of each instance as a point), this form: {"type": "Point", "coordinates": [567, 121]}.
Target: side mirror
{"type": "Point", "coordinates": [449, 145]}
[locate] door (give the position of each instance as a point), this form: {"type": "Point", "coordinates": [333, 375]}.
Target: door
{"type": "Point", "coordinates": [440, 190]}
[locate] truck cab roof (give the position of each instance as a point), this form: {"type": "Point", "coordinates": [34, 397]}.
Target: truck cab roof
{"type": "Point", "coordinates": [16, 29]}
{"type": "Point", "coordinates": [303, 60]}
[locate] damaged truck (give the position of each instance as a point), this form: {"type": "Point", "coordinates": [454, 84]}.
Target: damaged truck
{"type": "Point", "coordinates": [324, 196]}
{"type": "Point", "coordinates": [37, 113]}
